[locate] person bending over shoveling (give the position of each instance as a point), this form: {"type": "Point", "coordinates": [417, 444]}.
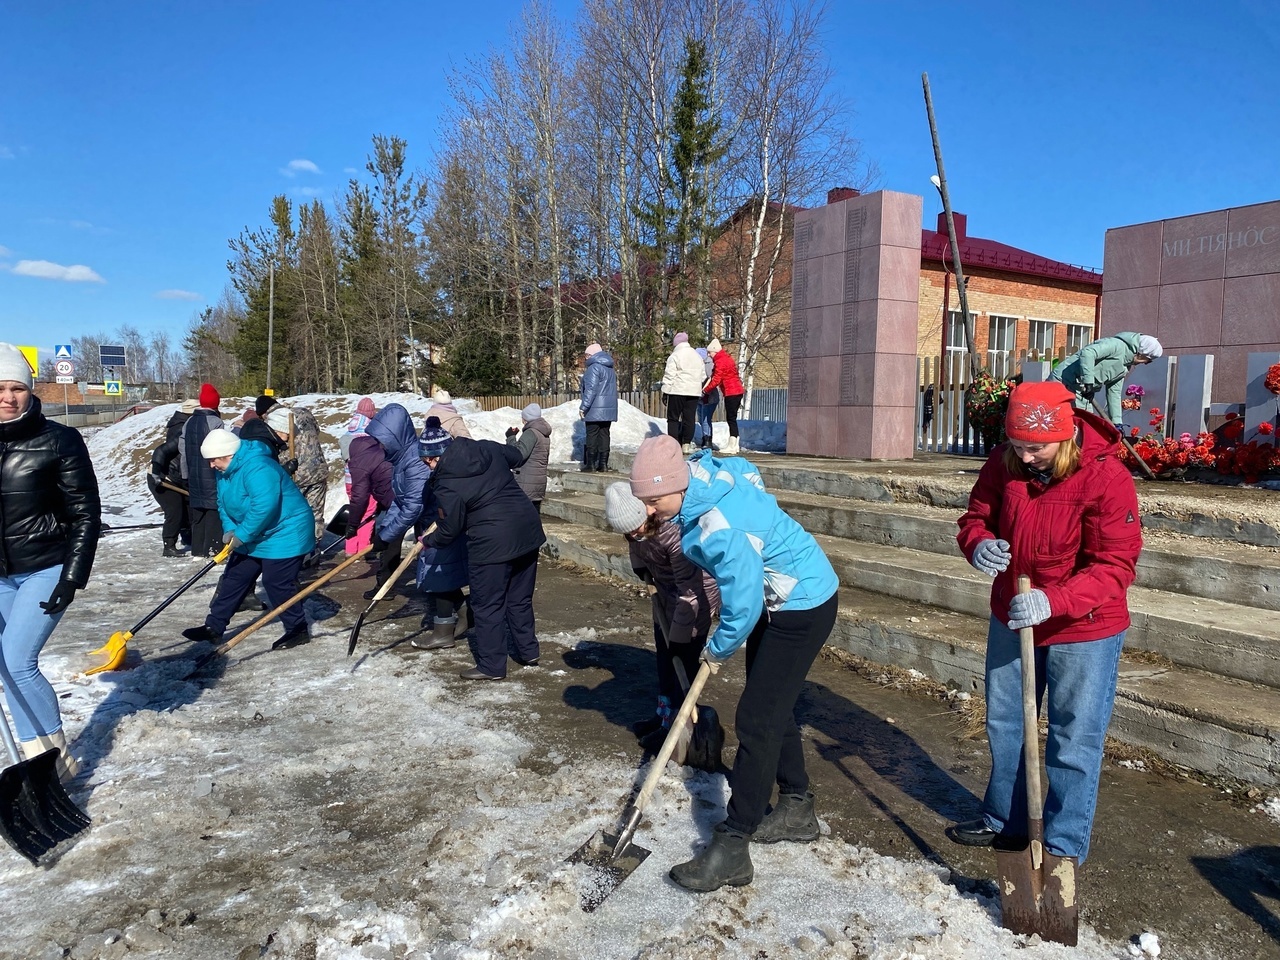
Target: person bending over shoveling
{"type": "Point", "coordinates": [270, 528]}
{"type": "Point", "coordinates": [685, 600]}
{"type": "Point", "coordinates": [778, 599]}
{"type": "Point", "coordinates": [1053, 504]}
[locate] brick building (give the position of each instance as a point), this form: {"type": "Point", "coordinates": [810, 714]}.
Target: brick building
{"type": "Point", "coordinates": [1021, 302]}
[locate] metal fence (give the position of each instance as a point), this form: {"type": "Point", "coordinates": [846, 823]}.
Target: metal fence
{"type": "Point", "coordinates": [766, 404]}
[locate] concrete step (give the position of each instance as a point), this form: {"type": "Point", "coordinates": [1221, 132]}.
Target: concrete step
{"type": "Point", "coordinates": [1211, 724]}
{"type": "Point", "coordinates": [1239, 514]}
{"type": "Point", "coordinates": [1221, 638]}
{"type": "Point", "coordinates": [1215, 569]}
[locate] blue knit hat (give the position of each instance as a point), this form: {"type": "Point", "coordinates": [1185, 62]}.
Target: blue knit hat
{"type": "Point", "coordinates": [435, 439]}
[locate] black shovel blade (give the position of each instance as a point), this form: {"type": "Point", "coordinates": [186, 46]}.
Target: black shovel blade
{"type": "Point", "coordinates": [606, 871]}
{"type": "Point", "coordinates": [338, 525]}
{"type": "Point", "coordinates": [355, 631]}
{"type": "Point", "coordinates": [36, 814]}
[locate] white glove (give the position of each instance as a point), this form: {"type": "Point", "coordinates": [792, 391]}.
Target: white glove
{"type": "Point", "coordinates": [992, 556]}
{"type": "Point", "coordinates": [1028, 609]}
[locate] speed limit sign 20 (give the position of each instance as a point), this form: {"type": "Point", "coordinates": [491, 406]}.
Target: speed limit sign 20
{"type": "Point", "coordinates": [64, 368]}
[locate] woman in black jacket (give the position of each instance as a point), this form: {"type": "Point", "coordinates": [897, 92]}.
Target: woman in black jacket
{"type": "Point", "coordinates": [478, 496]}
{"type": "Point", "coordinates": [166, 468]}
{"type": "Point", "coordinates": [50, 518]}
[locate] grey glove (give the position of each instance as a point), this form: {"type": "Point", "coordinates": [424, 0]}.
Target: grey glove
{"type": "Point", "coordinates": [231, 540]}
{"type": "Point", "coordinates": [1028, 609]}
{"type": "Point", "coordinates": [992, 556]}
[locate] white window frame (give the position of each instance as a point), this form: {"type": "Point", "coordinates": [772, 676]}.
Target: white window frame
{"type": "Point", "coordinates": [1086, 328]}
{"type": "Point", "coordinates": [1044, 325]}
{"type": "Point", "coordinates": [1000, 360]}
{"type": "Point", "coordinates": [728, 326]}
{"type": "Point", "coordinates": [957, 348]}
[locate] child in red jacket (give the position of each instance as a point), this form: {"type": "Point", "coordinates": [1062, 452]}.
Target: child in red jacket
{"type": "Point", "coordinates": [1056, 505]}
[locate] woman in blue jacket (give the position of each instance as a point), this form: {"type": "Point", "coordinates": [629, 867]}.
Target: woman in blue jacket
{"type": "Point", "coordinates": [778, 598]}
{"type": "Point", "coordinates": [598, 407]}
{"type": "Point", "coordinates": [393, 428]}
{"type": "Point", "coordinates": [270, 528]}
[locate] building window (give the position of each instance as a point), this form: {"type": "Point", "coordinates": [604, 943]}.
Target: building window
{"type": "Point", "coordinates": [957, 349]}
{"type": "Point", "coordinates": [729, 326]}
{"type": "Point", "coordinates": [1001, 333]}
{"type": "Point", "coordinates": [1040, 339]}
{"type": "Point", "coordinates": [1079, 336]}
{"type": "Point", "coordinates": [707, 324]}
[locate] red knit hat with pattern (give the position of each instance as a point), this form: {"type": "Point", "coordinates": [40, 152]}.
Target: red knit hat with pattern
{"type": "Point", "coordinates": [1040, 413]}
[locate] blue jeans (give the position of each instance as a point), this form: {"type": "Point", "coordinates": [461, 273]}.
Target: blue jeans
{"type": "Point", "coordinates": [24, 628]}
{"type": "Point", "coordinates": [1081, 680]}
{"type": "Point", "coordinates": [705, 412]}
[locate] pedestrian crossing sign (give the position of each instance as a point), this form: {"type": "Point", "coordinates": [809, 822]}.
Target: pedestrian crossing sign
{"type": "Point", "coordinates": [113, 388]}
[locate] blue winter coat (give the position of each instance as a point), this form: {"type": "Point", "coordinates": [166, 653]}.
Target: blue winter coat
{"type": "Point", "coordinates": [441, 569]}
{"type": "Point", "coordinates": [599, 389]}
{"type": "Point", "coordinates": [262, 505]}
{"type": "Point", "coordinates": [393, 428]}
{"type": "Point", "coordinates": [760, 556]}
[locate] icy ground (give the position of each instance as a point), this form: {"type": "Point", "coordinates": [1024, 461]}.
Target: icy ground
{"type": "Point", "coordinates": [302, 805]}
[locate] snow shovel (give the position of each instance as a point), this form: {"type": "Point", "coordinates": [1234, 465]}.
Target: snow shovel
{"type": "Point", "coordinates": [36, 814]}
{"type": "Point", "coordinates": [272, 614]}
{"type": "Point", "coordinates": [384, 590]}
{"type": "Point", "coordinates": [115, 648]}
{"type": "Point", "coordinates": [701, 742]}
{"type": "Point", "coordinates": [614, 858]}
{"type": "Point", "coordinates": [1142, 464]}
{"type": "Point", "coordinates": [338, 526]}
{"type": "Point", "coordinates": [1037, 889]}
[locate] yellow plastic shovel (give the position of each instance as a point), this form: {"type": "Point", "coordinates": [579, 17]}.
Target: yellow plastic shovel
{"type": "Point", "coordinates": [115, 649]}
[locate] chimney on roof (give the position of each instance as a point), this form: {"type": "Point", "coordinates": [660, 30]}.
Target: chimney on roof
{"type": "Point", "coordinates": [836, 194]}
{"type": "Point", "coordinates": [961, 222]}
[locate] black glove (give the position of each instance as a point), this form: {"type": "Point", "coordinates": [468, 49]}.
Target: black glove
{"type": "Point", "coordinates": [60, 599]}
{"type": "Point", "coordinates": [512, 431]}
{"type": "Point", "coordinates": [351, 530]}
{"type": "Point", "coordinates": [377, 543]}
{"type": "Point", "coordinates": [290, 466]}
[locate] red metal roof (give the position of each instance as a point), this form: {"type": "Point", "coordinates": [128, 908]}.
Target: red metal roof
{"type": "Point", "coordinates": [977, 252]}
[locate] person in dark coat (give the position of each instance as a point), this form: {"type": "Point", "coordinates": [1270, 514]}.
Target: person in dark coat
{"type": "Point", "coordinates": [371, 474]}
{"type": "Point", "coordinates": [166, 467]}
{"type": "Point", "coordinates": [599, 407]}
{"type": "Point", "coordinates": [256, 428]}
{"type": "Point", "coordinates": [478, 497]}
{"type": "Point", "coordinates": [535, 447]}
{"type": "Point", "coordinates": [442, 571]}
{"type": "Point", "coordinates": [50, 520]}
{"type": "Point", "coordinates": [200, 479]}
{"type": "Point", "coordinates": [393, 428]}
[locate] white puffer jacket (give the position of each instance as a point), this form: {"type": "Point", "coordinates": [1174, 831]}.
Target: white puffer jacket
{"type": "Point", "coordinates": [685, 373]}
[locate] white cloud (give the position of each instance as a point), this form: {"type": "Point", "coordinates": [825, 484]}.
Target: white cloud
{"type": "Point", "coordinates": [178, 295]}
{"type": "Point", "coordinates": [5, 251]}
{"type": "Point", "coordinates": [350, 170]}
{"type": "Point", "coordinates": [309, 191]}
{"type": "Point", "coordinates": [299, 166]}
{"type": "Point", "coordinates": [6, 153]}
{"type": "Point", "coordinates": [77, 273]}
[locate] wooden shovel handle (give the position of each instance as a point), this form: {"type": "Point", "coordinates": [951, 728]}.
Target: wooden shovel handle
{"type": "Point", "coordinates": [390, 582]}
{"type": "Point", "coordinates": [669, 745]}
{"type": "Point", "coordinates": [1030, 722]}
{"type": "Point", "coordinates": [309, 589]}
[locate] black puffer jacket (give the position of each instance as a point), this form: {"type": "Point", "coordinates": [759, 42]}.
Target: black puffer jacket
{"type": "Point", "coordinates": [49, 507]}
{"type": "Point", "coordinates": [478, 495]}
{"type": "Point", "coordinates": [202, 479]}
{"type": "Point", "coordinates": [165, 461]}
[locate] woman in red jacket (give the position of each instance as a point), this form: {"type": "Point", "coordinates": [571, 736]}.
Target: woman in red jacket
{"type": "Point", "coordinates": [724, 375]}
{"type": "Point", "coordinates": [1054, 504]}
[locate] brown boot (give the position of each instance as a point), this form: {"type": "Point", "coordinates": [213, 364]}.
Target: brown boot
{"type": "Point", "coordinates": [67, 765]}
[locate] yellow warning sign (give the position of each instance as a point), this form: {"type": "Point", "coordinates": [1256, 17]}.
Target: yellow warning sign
{"type": "Point", "coordinates": [33, 359]}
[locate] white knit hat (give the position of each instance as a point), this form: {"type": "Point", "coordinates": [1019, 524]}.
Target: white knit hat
{"type": "Point", "coordinates": [1149, 346]}
{"type": "Point", "coordinates": [14, 366]}
{"type": "Point", "coordinates": [278, 419]}
{"type": "Point", "coordinates": [219, 443]}
{"type": "Point", "coordinates": [442, 396]}
{"type": "Point", "coordinates": [623, 511]}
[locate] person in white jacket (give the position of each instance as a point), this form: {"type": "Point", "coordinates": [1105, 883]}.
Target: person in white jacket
{"type": "Point", "coordinates": [682, 385]}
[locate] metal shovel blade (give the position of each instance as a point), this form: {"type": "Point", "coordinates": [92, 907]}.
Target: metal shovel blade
{"type": "Point", "coordinates": [606, 870]}
{"type": "Point", "coordinates": [36, 814]}
{"type": "Point", "coordinates": [1038, 894]}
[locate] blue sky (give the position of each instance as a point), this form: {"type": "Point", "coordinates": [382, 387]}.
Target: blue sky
{"type": "Point", "coordinates": [136, 138]}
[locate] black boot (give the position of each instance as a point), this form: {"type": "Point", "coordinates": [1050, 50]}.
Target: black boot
{"type": "Point", "coordinates": [792, 818]}
{"type": "Point", "coordinates": [602, 463]}
{"type": "Point", "coordinates": [171, 548]}
{"type": "Point", "coordinates": [442, 636]}
{"type": "Point", "coordinates": [726, 860]}
{"type": "Point", "coordinates": [293, 638]}
{"type": "Point", "coordinates": [202, 634]}
{"type": "Point", "coordinates": [706, 746]}
{"type": "Point", "coordinates": [588, 463]}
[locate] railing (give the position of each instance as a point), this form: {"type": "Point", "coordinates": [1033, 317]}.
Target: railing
{"type": "Point", "coordinates": [766, 403]}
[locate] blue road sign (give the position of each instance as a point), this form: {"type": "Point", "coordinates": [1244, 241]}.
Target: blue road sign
{"type": "Point", "coordinates": [62, 351]}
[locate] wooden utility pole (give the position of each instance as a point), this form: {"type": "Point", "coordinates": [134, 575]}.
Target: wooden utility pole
{"type": "Point", "coordinates": [941, 183]}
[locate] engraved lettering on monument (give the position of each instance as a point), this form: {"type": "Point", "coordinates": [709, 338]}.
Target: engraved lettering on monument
{"type": "Point", "coordinates": [799, 334]}
{"type": "Point", "coordinates": [848, 328]}
{"type": "Point", "coordinates": [804, 237]}
{"type": "Point", "coordinates": [847, 381]}
{"type": "Point", "coordinates": [855, 221]}
{"type": "Point", "coordinates": [799, 387]}
{"type": "Point", "coordinates": [799, 287]}
{"type": "Point", "coordinates": [1218, 242]}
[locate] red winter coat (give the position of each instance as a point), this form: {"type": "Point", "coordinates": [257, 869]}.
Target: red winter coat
{"type": "Point", "coordinates": [725, 376]}
{"type": "Point", "coordinates": [1078, 539]}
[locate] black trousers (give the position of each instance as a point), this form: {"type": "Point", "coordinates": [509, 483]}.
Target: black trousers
{"type": "Point", "coordinates": [682, 415]}
{"type": "Point", "coordinates": [595, 450]}
{"type": "Point", "coordinates": [688, 655]}
{"type": "Point", "coordinates": [502, 601]}
{"type": "Point", "coordinates": [174, 506]}
{"type": "Point", "coordinates": [206, 532]}
{"type": "Point", "coordinates": [780, 651]}
{"type": "Point", "coordinates": [445, 606]}
{"type": "Point", "coordinates": [731, 405]}
{"type": "Point", "coordinates": [279, 579]}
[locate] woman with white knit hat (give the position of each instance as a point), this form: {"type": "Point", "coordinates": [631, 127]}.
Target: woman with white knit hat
{"type": "Point", "coordinates": [1103, 366]}
{"type": "Point", "coordinates": [50, 520]}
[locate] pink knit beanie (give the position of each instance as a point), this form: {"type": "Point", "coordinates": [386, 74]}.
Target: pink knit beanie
{"type": "Point", "coordinates": [659, 468]}
{"type": "Point", "coordinates": [679, 339]}
{"type": "Point", "coordinates": [592, 349]}
{"type": "Point", "coordinates": [366, 408]}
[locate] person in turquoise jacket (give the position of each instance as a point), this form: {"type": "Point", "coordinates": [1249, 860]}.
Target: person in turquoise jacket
{"type": "Point", "coordinates": [778, 599]}
{"type": "Point", "coordinates": [1103, 366]}
{"type": "Point", "coordinates": [270, 528]}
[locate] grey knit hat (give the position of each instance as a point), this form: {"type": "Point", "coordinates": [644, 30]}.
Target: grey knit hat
{"type": "Point", "coordinates": [531, 412]}
{"type": "Point", "coordinates": [624, 512]}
